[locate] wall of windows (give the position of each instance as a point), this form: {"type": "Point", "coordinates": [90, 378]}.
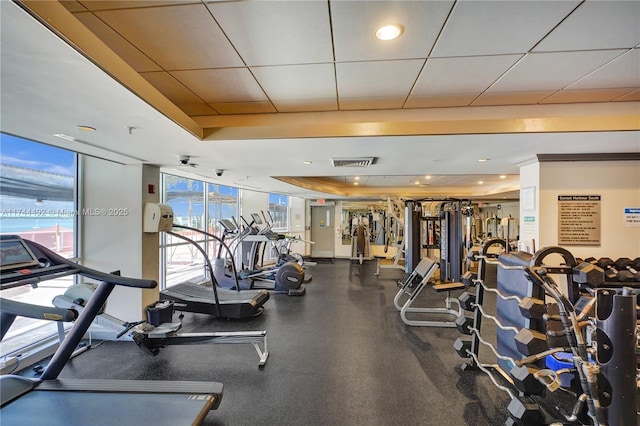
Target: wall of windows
{"type": "Point", "coordinates": [38, 201]}
{"type": "Point", "coordinates": [279, 209]}
{"type": "Point", "coordinates": [195, 204]}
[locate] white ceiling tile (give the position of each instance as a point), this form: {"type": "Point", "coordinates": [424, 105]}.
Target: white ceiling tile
{"type": "Point", "coordinates": [377, 79]}
{"type": "Point", "coordinates": [623, 71]}
{"type": "Point", "coordinates": [222, 85]}
{"type": "Point", "coordinates": [277, 32]}
{"type": "Point", "coordinates": [495, 27]}
{"type": "Point", "coordinates": [355, 24]}
{"type": "Point", "coordinates": [160, 33]}
{"type": "Point", "coordinates": [596, 25]}
{"type": "Point", "coordinates": [297, 81]}
{"type": "Point", "coordinates": [551, 71]}
{"type": "Point", "coordinates": [442, 76]}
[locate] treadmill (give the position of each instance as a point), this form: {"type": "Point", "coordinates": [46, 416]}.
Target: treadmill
{"type": "Point", "coordinates": [49, 400]}
{"type": "Point", "coordinates": [208, 297]}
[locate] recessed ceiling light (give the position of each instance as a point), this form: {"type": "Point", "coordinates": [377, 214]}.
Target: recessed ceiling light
{"type": "Point", "coordinates": [503, 176]}
{"type": "Point", "coordinates": [86, 128]}
{"type": "Point", "coordinates": [480, 182]}
{"type": "Point", "coordinates": [427, 177]}
{"type": "Point", "coordinates": [417, 182]}
{"type": "Point", "coordinates": [357, 178]}
{"type": "Point", "coordinates": [389, 32]}
{"type": "Point", "coordinates": [482, 160]}
{"type": "Point", "coordinates": [308, 162]}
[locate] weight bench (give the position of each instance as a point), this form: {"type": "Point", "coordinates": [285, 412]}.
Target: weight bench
{"type": "Point", "coordinates": [424, 271]}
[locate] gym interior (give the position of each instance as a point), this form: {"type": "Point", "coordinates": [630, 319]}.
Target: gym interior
{"type": "Point", "coordinates": [235, 213]}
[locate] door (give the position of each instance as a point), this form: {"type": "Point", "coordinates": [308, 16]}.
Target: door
{"type": "Point", "coordinates": [322, 231]}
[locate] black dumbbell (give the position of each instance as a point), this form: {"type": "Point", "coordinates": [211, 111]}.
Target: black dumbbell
{"type": "Point", "coordinates": [525, 411]}
{"type": "Point", "coordinates": [532, 308]}
{"type": "Point", "coordinates": [525, 381]}
{"type": "Point", "coordinates": [467, 301]}
{"type": "Point", "coordinates": [467, 278]}
{"type": "Point", "coordinates": [531, 342]}
{"type": "Point", "coordinates": [463, 323]}
{"type": "Point", "coordinates": [626, 263]}
{"type": "Point", "coordinates": [462, 346]}
{"type": "Point", "coordinates": [588, 273]}
{"type": "Point", "coordinates": [611, 272]}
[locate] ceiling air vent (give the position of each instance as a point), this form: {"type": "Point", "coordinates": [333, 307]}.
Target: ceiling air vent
{"type": "Point", "coordinates": [353, 161]}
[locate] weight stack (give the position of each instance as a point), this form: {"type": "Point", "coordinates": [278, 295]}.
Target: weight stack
{"type": "Point", "coordinates": [616, 338]}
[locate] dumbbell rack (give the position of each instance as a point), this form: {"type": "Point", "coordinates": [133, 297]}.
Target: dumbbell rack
{"type": "Point", "coordinates": [615, 325]}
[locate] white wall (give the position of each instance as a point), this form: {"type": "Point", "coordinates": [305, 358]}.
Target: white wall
{"type": "Point", "coordinates": [530, 207]}
{"type": "Point", "coordinates": [617, 182]}
{"type": "Point", "coordinates": [113, 197]}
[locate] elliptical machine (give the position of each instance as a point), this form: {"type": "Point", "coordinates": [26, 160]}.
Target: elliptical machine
{"type": "Point", "coordinates": [286, 278]}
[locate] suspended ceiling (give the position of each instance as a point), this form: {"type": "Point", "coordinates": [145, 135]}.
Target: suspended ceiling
{"type": "Point", "coordinates": [257, 88]}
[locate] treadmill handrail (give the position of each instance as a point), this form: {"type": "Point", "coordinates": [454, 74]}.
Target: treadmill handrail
{"type": "Point", "coordinates": [79, 269]}
{"type": "Point", "coordinates": [30, 310]}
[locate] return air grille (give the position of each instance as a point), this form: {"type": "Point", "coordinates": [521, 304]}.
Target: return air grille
{"type": "Point", "coordinates": [353, 162]}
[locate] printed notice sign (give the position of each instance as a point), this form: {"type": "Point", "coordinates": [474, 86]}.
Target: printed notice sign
{"type": "Point", "coordinates": [579, 220]}
{"type": "Point", "coordinates": [632, 217]}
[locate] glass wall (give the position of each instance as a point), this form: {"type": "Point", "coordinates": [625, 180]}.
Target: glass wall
{"type": "Point", "coordinates": [196, 204]}
{"type": "Point", "coordinates": [279, 209]}
{"type": "Point", "coordinates": [38, 202]}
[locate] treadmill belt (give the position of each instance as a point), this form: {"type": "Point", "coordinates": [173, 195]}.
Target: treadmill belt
{"type": "Point", "coordinates": [74, 408]}
{"type": "Point", "coordinates": [204, 292]}
{"type": "Point", "coordinates": [113, 402]}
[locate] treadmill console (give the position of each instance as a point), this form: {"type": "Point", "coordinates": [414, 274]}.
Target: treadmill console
{"type": "Point", "coordinates": [15, 254]}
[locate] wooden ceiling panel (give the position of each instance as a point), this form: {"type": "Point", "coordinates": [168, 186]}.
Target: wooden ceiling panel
{"type": "Point", "coordinates": [631, 96]}
{"type": "Point", "coordinates": [134, 57]}
{"type": "Point", "coordinates": [384, 102]}
{"type": "Point", "coordinates": [585, 95]}
{"type": "Point", "coordinates": [171, 88]}
{"type": "Point", "coordinates": [159, 33]}
{"type": "Point", "coordinates": [243, 107]}
{"type": "Point", "coordinates": [435, 101]}
{"type": "Point", "coordinates": [291, 82]}
{"type": "Point", "coordinates": [306, 105]}
{"type": "Point", "coordinates": [222, 85]}
{"type": "Point", "coordinates": [128, 4]}
{"type": "Point", "coordinates": [512, 98]}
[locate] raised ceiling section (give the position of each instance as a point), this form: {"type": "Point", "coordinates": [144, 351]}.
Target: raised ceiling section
{"type": "Point", "coordinates": [218, 61]}
{"type": "Point", "coordinates": [293, 72]}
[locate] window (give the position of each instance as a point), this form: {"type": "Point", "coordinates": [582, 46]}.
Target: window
{"type": "Point", "coordinates": [196, 208]}
{"type": "Point", "coordinates": [38, 201]}
{"type": "Point", "coordinates": [279, 209]}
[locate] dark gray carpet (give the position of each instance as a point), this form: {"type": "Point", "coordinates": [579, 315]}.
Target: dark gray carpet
{"type": "Point", "coordinates": [340, 355]}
